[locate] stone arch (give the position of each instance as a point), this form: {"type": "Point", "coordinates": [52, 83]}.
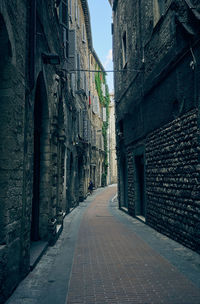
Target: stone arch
{"type": "Point", "coordinates": [41, 164]}
{"type": "Point", "coordinates": [9, 165]}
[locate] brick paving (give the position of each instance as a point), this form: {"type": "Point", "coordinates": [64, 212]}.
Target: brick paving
{"type": "Point", "coordinates": [113, 265]}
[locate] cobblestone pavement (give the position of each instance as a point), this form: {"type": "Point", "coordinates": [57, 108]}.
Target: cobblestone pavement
{"type": "Point", "coordinates": [105, 256]}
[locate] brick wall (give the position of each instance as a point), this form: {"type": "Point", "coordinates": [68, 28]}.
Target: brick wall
{"type": "Point", "coordinates": [172, 180]}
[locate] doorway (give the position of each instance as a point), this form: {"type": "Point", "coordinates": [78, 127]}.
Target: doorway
{"type": "Point", "coordinates": [140, 207]}
{"type": "Point", "coordinates": [123, 184]}
{"type": "Point", "coordinates": [39, 227]}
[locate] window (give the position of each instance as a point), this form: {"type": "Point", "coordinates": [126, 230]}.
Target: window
{"type": "Point", "coordinates": [124, 50]}
{"type": "Point", "coordinates": [73, 83]}
{"type": "Point", "coordinates": [63, 13]}
{"type": "Point", "coordinates": [70, 9]}
{"type": "Point", "coordinates": [104, 114]}
{"type": "Point", "coordinates": [158, 10]}
{"type": "Point", "coordinates": [65, 42]}
{"type": "Point", "coordinates": [72, 50]}
{"type": "Point", "coordinates": [96, 108]}
{"type": "Point", "coordinates": [76, 9]}
{"type": "Point", "coordinates": [80, 123]}
{"type": "Point", "coordinates": [63, 17]}
{"type": "Point", "coordinates": [78, 71]}
{"type": "Point", "coordinates": [83, 33]}
{"type": "Point", "coordinates": [78, 16]}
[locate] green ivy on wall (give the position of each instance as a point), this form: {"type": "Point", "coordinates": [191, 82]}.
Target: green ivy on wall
{"type": "Point", "coordinates": [100, 77]}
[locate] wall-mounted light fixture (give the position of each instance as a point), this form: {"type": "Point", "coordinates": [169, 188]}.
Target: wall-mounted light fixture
{"type": "Point", "coordinates": [49, 58]}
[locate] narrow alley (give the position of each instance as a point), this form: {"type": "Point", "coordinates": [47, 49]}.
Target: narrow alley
{"type": "Point", "coordinates": [99, 151]}
{"type": "Point", "coordinates": [105, 256]}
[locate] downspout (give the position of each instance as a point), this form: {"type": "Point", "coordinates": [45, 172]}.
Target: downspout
{"type": "Point", "coordinates": [32, 43]}
{"type": "Point", "coordinates": [141, 47]}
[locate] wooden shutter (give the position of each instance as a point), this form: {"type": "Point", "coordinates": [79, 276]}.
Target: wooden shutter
{"type": "Point", "coordinates": [65, 43]}
{"type": "Point", "coordinates": [85, 126]}
{"type": "Point", "coordinates": [95, 107]}
{"type": "Point", "coordinates": [76, 9]}
{"type": "Point", "coordinates": [78, 70]}
{"type": "Point", "coordinates": [82, 80]}
{"type": "Point", "coordinates": [63, 12]}
{"type": "Point", "coordinates": [104, 114]}
{"type": "Point", "coordinates": [72, 50]}
{"type": "Point", "coordinates": [73, 83]}
{"type": "Point", "coordinates": [103, 89]}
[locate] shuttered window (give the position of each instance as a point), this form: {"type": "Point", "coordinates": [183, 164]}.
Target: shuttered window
{"type": "Point", "coordinates": [73, 83]}
{"type": "Point", "coordinates": [78, 71]}
{"type": "Point", "coordinates": [72, 50]}
{"type": "Point", "coordinates": [76, 9]}
{"type": "Point", "coordinates": [63, 18]}
{"type": "Point", "coordinates": [96, 108]}
{"type": "Point", "coordinates": [104, 114]}
{"type": "Point", "coordinates": [78, 16]}
{"type": "Point", "coordinates": [70, 9]}
{"type": "Point", "coordinates": [63, 12]}
{"type": "Point", "coordinates": [103, 88]}
{"type": "Point", "coordinates": [65, 43]}
{"type": "Point", "coordinates": [83, 33]}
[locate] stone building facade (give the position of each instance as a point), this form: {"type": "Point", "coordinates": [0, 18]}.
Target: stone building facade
{"type": "Point", "coordinates": [97, 109]}
{"type": "Point", "coordinates": [156, 49]}
{"type": "Point", "coordinates": [88, 155]}
{"type": "Point", "coordinates": [32, 135]}
{"type": "Point", "coordinates": [45, 141]}
{"type": "Point", "coordinates": [112, 170]}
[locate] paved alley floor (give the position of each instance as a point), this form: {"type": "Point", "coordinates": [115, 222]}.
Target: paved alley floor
{"type": "Point", "coordinates": [105, 256]}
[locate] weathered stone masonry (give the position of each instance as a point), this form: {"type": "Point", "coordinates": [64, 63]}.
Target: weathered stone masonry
{"type": "Point", "coordinates": [172, 180]}
{"type": "Point", "coordinates": [12, 109]}
{"type": "Point", "coordinates": [156, 45]}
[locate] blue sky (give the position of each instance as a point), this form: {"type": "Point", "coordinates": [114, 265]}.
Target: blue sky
{"type": "Point", "coordinates": [101, 19]}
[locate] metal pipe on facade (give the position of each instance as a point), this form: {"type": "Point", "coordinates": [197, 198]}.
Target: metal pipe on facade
{"type": "Point", "coordinates": [32, 43]}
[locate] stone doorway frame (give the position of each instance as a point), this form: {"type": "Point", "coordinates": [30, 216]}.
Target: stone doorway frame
{"type": "Point", "coordinates": [140, 183]}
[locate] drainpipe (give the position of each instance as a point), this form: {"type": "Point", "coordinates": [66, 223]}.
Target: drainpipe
{"type": "Point", "coordinates": [32, 43]}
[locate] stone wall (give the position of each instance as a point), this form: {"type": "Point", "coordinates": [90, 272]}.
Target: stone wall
{"type": "Point", "coordinates": [12, 109]}
{"type": "Point", "coordinates": [172, 180]}
{"type": "Point", "coordinates": [23, 91]}
{"type": "Point", "coordinates": [131, 184]}
{"type": "Point", "coordinates": [157, 117]}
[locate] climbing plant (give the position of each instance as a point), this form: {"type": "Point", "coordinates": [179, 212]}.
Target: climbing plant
{"type": "Point", "coordinates": [100, 78]}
